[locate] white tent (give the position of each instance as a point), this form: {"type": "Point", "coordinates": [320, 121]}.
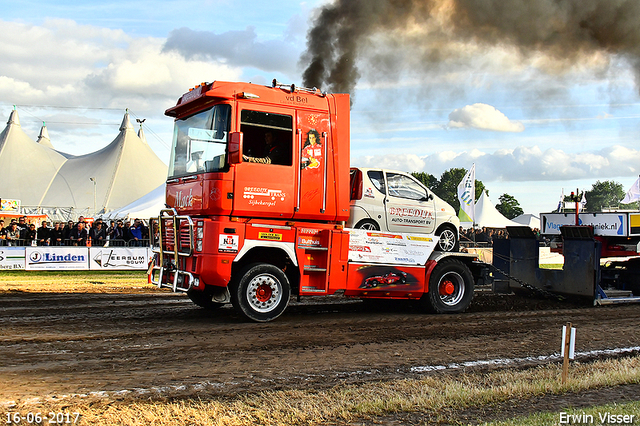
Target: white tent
{"type": "Point", "coordinates": [27, 168]}
{"type": "Point", "coordinates": [530, 220]}
{"type": "Point", "coordinates": [487, 216]}
{"type": "Point", "coordinates": [144, 207]}
{"type": "Point", "coordinates": [45, 179]}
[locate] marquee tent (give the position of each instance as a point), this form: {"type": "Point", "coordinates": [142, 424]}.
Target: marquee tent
{"type": "Point", "coordinates": [41, 177]}
{"type": "Point", "coordinates": [27, 167]}
{"type": "Point", "coordinates": [529, 220]}
{"type": "Point", "coordinates": [487, 216]}
{"type": "Point", "coordinates": [145, 207]}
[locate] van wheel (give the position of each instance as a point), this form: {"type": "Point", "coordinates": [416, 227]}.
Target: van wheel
{"type": "Point", "coordinates": [450, 288]}
{"type": "Point", "coordinates": [368, 224]}
{"type": "Point", "coordinates": [261, 292]}
{"type": "Point", "coordinates": [448, 240]}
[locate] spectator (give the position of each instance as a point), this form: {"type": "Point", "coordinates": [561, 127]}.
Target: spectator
{"type": "Point", "coordinates": [98, 235]}
{"type": "Point", "coordinates": [110, 229]}
{"type": "Point", "coordinates": [13, 234]}
{"type": "Point", "coordinates": [127, 232]}
{"type": "Point", "coordinates": [155, 232]}
{"type": "Point", "coordinates": [66, 233]}
{"type": "Point", "coordinates": [3, 234]}
{"type": "Point", "coordinates": [145, 234]}
{"type": "Point", "coordinates": [30, 235]}
{"type": "Point", "coordinates": [42, 234]}
{"type": "Point", "coordinates": [22, 229]}
{"type": "Point", "coordinates": [117, 235]}
{"type": "Point", "coordinates": [78, 235]}
{"type": "Point", "coordinates": [56, 235]}
{"type": "Point", "coordinates": [136, 233]}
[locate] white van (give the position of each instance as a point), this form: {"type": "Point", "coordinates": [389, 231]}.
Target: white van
{"type": "Point", "coordinates": [394, 201]}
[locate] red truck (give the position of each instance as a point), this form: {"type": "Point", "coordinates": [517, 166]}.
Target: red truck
{"type": "Point", "coordinates": [258, 193]}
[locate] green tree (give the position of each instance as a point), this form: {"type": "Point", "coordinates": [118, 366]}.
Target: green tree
{"type": "Point", "coordinates": [447, 186]}
{"type": "Point", "coordinates": [604, 194]}
{"type": "Point", "coordinates": [428, 180]}
{"type": "Point", "coordinates": [508, 206]}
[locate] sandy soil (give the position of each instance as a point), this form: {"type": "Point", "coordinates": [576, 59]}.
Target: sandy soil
{"type": "Point", "coordinates": [161, 345]}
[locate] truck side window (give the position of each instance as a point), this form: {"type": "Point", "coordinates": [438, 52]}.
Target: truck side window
{"type": "Point", "coordinates": [377, 179]}
{"type": "Point", "coordinates": [268, 137]}
{"type": "Point", "coordinates": [404, 187]}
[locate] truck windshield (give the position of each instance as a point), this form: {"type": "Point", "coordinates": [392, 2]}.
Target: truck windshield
{"type": "Point", "coordinates": [200, 142]}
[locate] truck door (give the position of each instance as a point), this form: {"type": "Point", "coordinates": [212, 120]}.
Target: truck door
{"type": "Point", "coordinates": [265, 178]}
{"type": "Point", "coordinates": [409, 207]}
{"type": "Point", "coordinates": [316, 196]}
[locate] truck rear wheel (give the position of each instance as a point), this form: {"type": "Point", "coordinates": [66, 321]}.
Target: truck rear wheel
{"type": "Point", "coordinates": [450, 288]}
{"type": "Point", "coordinates": [261, 292]}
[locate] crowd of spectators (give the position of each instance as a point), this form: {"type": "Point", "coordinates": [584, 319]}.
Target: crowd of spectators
{"type": "Point", "coordinates": [81, 233]}
{"type": "Point", "coordinates": [486, 236]}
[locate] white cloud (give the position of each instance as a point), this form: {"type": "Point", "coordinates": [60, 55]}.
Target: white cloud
{"type": "Point", "coordinates": [483, 117]}
{"type": "Point", "coordinates": [521, 164]}
{"type": "Point", "coordinates": [63, 63]}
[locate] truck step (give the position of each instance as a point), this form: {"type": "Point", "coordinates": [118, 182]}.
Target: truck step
{"type": "Point", "coordinates": [314, 269]}
{"type": "Point", "coordinates": [313, 248]}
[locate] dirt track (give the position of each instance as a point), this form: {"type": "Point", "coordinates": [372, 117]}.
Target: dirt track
{"type": "Point", "coordinates": [162, 345]}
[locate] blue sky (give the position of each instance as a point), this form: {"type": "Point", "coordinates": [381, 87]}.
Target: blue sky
{"type": "Point", "coordinates": [533, 126]}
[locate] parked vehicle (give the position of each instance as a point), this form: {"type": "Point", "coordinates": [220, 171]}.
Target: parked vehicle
{"type": "Point", "coordinates": [394, 201]}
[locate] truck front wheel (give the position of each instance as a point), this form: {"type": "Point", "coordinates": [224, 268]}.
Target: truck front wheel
{"type": "Point", "coordinates": [204, 299]}
{"type": "Point", "coordinates": [261, 292]}
{"type": "Point", "coordinates": [450, 288]}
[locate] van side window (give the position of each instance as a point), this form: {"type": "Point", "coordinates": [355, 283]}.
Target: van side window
{"type": "Point", "coordinates": [268, 137]}
{"type": "Point", "coordinates": [404, 187]}
{"type": "Point", "coordinates": [375, 176]}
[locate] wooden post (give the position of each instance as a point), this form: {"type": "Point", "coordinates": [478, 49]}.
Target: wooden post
{"type": "Point", "coordinates": [567, 346]}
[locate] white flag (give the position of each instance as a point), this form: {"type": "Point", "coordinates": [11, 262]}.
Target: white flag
{"type": "Point", "coordinates": [633, 194]}
{"type": "Point", "coordinates": [561, 202]}
{"type": "Point", "coordinates": [466, 194]}
{"type": "Point", "coordinates": [583, 200]}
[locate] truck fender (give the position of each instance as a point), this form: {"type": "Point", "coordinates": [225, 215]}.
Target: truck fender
{"type": "Point", "coordinates": [288, 248]}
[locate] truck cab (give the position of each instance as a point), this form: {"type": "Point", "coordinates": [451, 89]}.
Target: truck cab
{"type": "Point", "coordinates": [394, 201]}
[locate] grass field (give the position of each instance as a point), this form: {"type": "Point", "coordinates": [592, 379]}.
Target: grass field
{"type": "Point", "coordinates": [436, 398]}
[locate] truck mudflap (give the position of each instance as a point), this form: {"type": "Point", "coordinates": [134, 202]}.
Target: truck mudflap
{"type": "Point", "coordinates": [176, 245]}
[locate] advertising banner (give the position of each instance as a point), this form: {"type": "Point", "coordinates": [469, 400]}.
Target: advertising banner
{"type": "Point", "coordinates": [11, 258]}
{"type": "Point", "coordinates": [56, 258]}
{"type": "Point", "coordinates": [119, 258]}
{"type": "Point", "coordinates": [606, 224]}
{"type": "Point", "coordinates": [12, 206]}
{"type": "Point", "coordinates": [382, 247]}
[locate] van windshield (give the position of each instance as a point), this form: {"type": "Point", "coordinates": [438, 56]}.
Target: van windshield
{"type": "Point", "coordinates": [200, 142]}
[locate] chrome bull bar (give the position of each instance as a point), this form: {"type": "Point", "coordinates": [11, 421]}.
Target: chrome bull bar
{"type": "Point", "coordinates": [176, 243]}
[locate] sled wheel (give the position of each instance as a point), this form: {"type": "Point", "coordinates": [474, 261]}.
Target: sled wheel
{"type": "Point", "coordinates": [450, 288]}
{"type": "Point", "coordinates": [261, 293]}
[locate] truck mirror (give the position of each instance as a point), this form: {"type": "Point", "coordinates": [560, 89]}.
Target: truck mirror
{"type": "Point", "coordinates": [235, 147]}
